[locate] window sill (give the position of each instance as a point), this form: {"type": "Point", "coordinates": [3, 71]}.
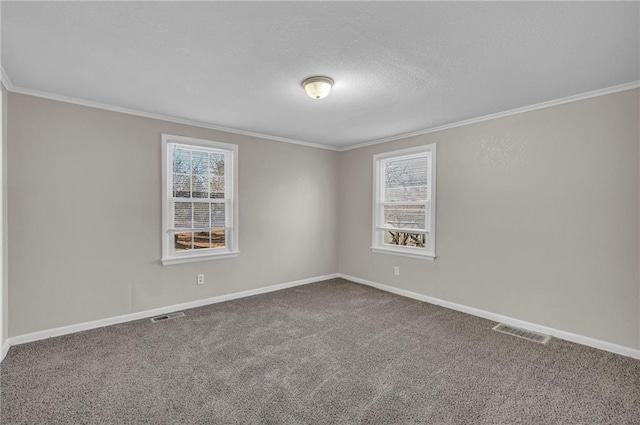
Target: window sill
{"type": "Point", "coordinates": [194, 258]}
{"type": "Point", "coordinates": [404, 253]}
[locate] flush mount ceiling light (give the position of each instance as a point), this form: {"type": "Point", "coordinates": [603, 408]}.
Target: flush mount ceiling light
{"type": "Point", "coordinates": [317, 87]}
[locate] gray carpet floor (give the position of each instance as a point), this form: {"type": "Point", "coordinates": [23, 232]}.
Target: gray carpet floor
{"type": "Point", "coordinates": [332, 352]}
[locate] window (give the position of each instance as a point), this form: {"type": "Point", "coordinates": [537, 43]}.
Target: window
{"type": "Point", "coordinates": [404, 205]}
{"type": "Point", "coordinates": [199, 200]}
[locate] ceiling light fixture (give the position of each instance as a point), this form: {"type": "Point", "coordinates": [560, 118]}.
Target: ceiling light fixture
{"type": "Point", "coordinates": [317, 87]}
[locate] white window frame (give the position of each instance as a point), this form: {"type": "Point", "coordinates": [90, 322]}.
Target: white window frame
{"type": "Point", "coordinates": [378, 228]}
{"type": "Point", "coordinates": [231, 189]}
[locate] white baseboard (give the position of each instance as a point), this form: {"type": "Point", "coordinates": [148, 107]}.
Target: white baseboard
{"type": "Point", "coordinates": [5, 349]}
{"type": "Point", "coordinates": [567, 336]}
{"type": "Point", "coordinates": [64, 330]}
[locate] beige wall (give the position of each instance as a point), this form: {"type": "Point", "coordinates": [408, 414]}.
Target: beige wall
{"type": "Point", "coordinates": [537, 218]}
{"type": "Point", "coordinates": [5, 233]}
{"type": "Point", "coordinates": [84, 216]}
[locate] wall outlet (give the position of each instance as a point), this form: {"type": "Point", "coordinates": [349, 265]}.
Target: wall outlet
{"type": "Point", "coordinates": [200, 279]}
{"type": "Point", "coordinates": [396, 271]}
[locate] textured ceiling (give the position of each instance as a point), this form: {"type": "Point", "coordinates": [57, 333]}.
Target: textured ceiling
{"type": "Point", "coordinates": [398, 67]}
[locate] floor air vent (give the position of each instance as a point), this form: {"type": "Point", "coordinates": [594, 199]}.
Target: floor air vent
{"type": "Point", "coordinates": [167, 316]}
{"type": "Point", "coordinates": [522, 333]}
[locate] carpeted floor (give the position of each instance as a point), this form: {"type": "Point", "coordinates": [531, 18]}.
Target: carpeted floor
{"type": "Point", "coordinates": [332, 352]}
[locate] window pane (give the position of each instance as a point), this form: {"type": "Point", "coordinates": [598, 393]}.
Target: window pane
{"type": "Point", "coordinates": [181, 186]}
{"type": "Point", "coordinates": [181, 161]}
{"type": "Point", "coordinates": [405, 216]}
{"type": "Point", "coordinates": [182, 215]}
{"type": "Point", "coordinates": [218, 215]}
{"type": "Point", "coordinates": [406, 180]}
{"type": "Point", "coordinates": [216, 185]}
{"type": "Point", "coordinates": [199, 163]}
{"type": "Point", "coordinates": [183, 241]}
{"type": "Point", "coordinates": [417, 240]}
{"type": "Point", "coordinates": [201, 240]}
{"type": "Point", "coordinates": [199, 186]}
{"type": "Point", "coordinates": [216, 164]}
{"type": "Point", "coordinates": [200, 215]}
{"type": "Point", "coordinates": [187, 241]}
{"type": "Point", "coordinates": [218, 239]}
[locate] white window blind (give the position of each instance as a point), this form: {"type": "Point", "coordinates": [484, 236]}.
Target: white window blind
{"type": "Point", "coordinates": [404, 204]}
{"type": "Point", "coordinates": [200, 200]}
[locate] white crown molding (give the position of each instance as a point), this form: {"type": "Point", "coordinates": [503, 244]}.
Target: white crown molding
{"type": "Point", "coordinates": [65, 330]}
{"type": "Point", "coordinates": [548, 104]}
{"type": "Point", "coordinates": [112, 108]}
{"type": "Point", "coordinates": [567, 336]}
{"type": "Point", "coordinates": [52, 96]}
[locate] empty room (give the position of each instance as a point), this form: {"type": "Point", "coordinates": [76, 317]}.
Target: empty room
{"type": "Point", "coordinates": [320, 212]}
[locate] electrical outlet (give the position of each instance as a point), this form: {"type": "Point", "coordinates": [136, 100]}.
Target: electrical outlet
{"type": "Point", "coordinates": [200, 279]}
{"type": "Point", "coordinates": [396, 271]}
